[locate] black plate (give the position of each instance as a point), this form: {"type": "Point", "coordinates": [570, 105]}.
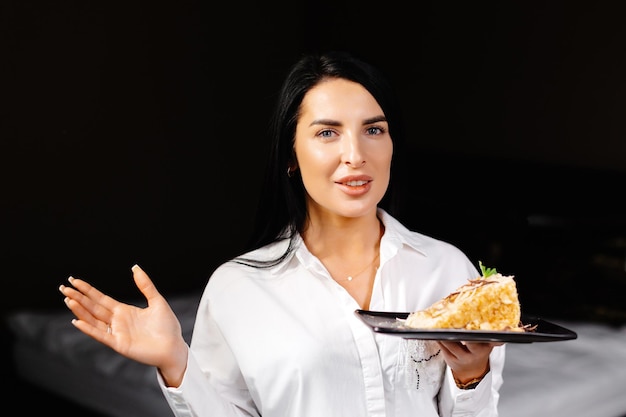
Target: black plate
{"type": "Point", "coordinates": [391, 323]}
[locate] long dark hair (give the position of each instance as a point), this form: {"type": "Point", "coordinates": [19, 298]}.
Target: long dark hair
{"type": "Point", "coordinates": [282, 212]}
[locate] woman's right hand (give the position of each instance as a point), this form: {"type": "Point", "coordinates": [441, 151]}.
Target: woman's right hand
{"type": "Point", "coordinates": [150, 335]}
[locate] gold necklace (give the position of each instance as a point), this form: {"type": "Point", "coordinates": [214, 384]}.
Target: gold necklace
{"type": "Point", "coordinates": [351, 277]}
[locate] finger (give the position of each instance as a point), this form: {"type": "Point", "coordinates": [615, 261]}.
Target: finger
{"type": "Point", "coordinates": [144, 284]}
{"type": "Point", "coordinates": [92, 293]}
{"type": "Point", "coordinates": [445, 350]}
{"type": "Point", "coordinates": [85, 315]}
{"type": "Point", "coordinates": [480, 347]}
{"type": "Point", "coordinates": [453, 348]}
{"type": "Point", "coordinates": [103, 336]}
{"type": "Point", "coordinates": [83, 306]}
{"type": "Point", "coordinates": [75, 306]}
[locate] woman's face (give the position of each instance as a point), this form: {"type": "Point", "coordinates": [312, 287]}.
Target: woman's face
{"type": "Point", "coordinates": [343, 149]}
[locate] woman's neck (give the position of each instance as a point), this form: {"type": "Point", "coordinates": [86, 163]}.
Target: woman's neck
{"type": "Point", "coordinates": [344, 238]}
{"type": "Point", "coordinates": [350, 252]}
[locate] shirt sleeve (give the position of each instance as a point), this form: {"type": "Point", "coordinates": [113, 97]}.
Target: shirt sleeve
{"type": "Point", "coordinates": [481, 401]}
{"type": "Point", "coordinates": [212, 385]}
{"type": "Point", "coordinates": [194, 397]}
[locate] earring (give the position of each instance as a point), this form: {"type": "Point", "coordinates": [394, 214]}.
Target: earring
{"type": "Point", "coordinates": [289, 172]}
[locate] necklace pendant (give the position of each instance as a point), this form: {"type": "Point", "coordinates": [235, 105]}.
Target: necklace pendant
{"type": "Point", "coordinates": [349, 278]}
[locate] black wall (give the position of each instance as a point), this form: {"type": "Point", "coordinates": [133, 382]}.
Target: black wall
{"type": "Point", "coordinates": [134, 133]}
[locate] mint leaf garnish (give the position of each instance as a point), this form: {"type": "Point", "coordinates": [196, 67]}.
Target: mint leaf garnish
{"type": "Point", "coordinates": [486, 271]}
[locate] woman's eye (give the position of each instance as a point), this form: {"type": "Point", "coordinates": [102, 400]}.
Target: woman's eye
{"type": "Point", "coordinates": [326, 134]}
{"type": "Point", "coordinates": [374, 130]}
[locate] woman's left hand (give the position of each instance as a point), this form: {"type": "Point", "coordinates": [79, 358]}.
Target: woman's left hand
{"type": "Point", "coordinates": [467, 360]}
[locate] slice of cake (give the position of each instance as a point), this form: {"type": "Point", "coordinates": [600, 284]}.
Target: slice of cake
{"type": "Point", "coordinates": [489, 302]}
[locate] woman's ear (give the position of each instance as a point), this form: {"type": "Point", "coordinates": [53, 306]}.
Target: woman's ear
{"type": "Point", "coordinates": [292, 167]}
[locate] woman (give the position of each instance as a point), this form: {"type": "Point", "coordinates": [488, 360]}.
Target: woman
{"type": "Point", "coordinates": [275, 332]}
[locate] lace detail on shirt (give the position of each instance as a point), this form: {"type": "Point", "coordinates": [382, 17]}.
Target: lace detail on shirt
{"type": "Point", "coordinates": [423, 363]}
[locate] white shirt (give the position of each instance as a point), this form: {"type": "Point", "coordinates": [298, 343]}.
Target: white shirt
{"type": "Point", "coordinates": [286, 342]}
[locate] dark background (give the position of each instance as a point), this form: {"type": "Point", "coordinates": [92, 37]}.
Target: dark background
{"type": "Point", "coordinates": [134, 132]}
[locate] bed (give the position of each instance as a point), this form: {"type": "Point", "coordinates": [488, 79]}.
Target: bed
{"type": "Point", "coordinates": [50, 353]}
{"type": "Point", "coordinates": [573, 378]}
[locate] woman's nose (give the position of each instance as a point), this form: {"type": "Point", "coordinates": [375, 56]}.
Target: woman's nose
{"type": "Point", "coordinates": [352, 154]}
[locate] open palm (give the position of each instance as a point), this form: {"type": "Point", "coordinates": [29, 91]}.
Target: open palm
{"type": "Point", "coordinates": [145, 334]}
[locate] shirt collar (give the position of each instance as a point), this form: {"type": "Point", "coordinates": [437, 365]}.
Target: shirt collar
{"type": "Point", "coordinates": [397, 235]}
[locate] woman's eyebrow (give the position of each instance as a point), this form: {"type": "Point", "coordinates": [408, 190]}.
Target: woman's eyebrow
{"type": "Point", "coordinates": [328, 122]}
{"type": "Point", "coordinates": [380, 118]}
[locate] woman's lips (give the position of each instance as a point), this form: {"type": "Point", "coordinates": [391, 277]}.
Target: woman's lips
{"type": "Point", "coordinates": [355, 185]}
